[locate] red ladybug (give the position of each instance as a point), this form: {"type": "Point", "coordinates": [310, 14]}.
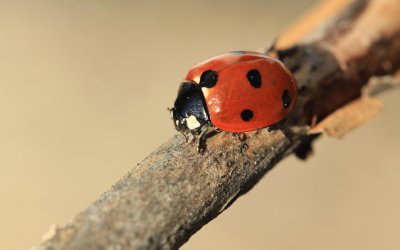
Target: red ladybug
{"type": "Point", "coordinates": [235, 92]}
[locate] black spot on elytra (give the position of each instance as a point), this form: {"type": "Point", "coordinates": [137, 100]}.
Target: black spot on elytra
{"type": "Point", "coordinates": [208, 79]}
{"type": "Point", "coordinates": [286, 99]}
{"type": "Point", "coordinates": [246, 115]}
{"type": "Point", "coordinates": [254, 78]}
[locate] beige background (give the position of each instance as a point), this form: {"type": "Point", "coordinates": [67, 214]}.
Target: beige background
{"type": "Point", "coordinates": [84, 91]}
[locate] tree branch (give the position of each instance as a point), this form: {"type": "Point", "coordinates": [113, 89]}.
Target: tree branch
{"type": "Point", "coordinates": [172, 193]}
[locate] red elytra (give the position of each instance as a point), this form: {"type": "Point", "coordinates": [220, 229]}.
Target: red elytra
{"type": "Point", "coordinates": [244, 91]}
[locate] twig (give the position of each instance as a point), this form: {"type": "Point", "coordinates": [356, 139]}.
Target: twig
{"type": "Point", "coordinates": [170, 195]}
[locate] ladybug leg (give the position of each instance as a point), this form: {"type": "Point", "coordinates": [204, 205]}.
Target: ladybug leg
{"type": "Point", "coordinates": [186, 136]}
{"type": "Point", "coordinates": [206, 133]}
{"type": "Point", "coordinates": [191, 138]}
{"type": "Point", "coordinates": [242, 137]}
{"type": "Point", "coordinates": [279, 125]}
{"type": "Point", "coordinates": [272, 127]}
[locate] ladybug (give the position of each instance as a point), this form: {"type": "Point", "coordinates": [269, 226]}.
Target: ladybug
{"type": "Point", "coordinates": [235, 92]}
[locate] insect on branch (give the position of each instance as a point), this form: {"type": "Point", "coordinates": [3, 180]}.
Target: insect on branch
{"type": "Point", "coordinates": [333, 52]}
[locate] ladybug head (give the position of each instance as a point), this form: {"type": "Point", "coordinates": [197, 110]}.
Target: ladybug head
{"type": "Point", "coordinates": [189, 111]}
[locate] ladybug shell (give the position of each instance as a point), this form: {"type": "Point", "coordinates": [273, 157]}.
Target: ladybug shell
{"type": "Point", "coordinates": [244, 91]}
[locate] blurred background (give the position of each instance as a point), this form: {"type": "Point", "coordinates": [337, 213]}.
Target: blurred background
{"type": "Point", "coordinates": [84, 91]}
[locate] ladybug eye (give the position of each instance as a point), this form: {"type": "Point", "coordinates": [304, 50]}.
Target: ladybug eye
{"type": "Point", "coordinates": [208, 79]}
{"type": "Point", "coordinates": [286, 99]}
{"type": "Point", "coordinates": [254, 78]}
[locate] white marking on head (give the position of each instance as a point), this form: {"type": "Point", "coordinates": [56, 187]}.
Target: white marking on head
{"type": "Point", "coordinates": [177, 122]}
{"type": "Point", "coordinates": [192, 122]}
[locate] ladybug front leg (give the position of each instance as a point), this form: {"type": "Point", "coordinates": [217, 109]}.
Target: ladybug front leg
{"type": "Point", "coordinates": [206, 133]}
